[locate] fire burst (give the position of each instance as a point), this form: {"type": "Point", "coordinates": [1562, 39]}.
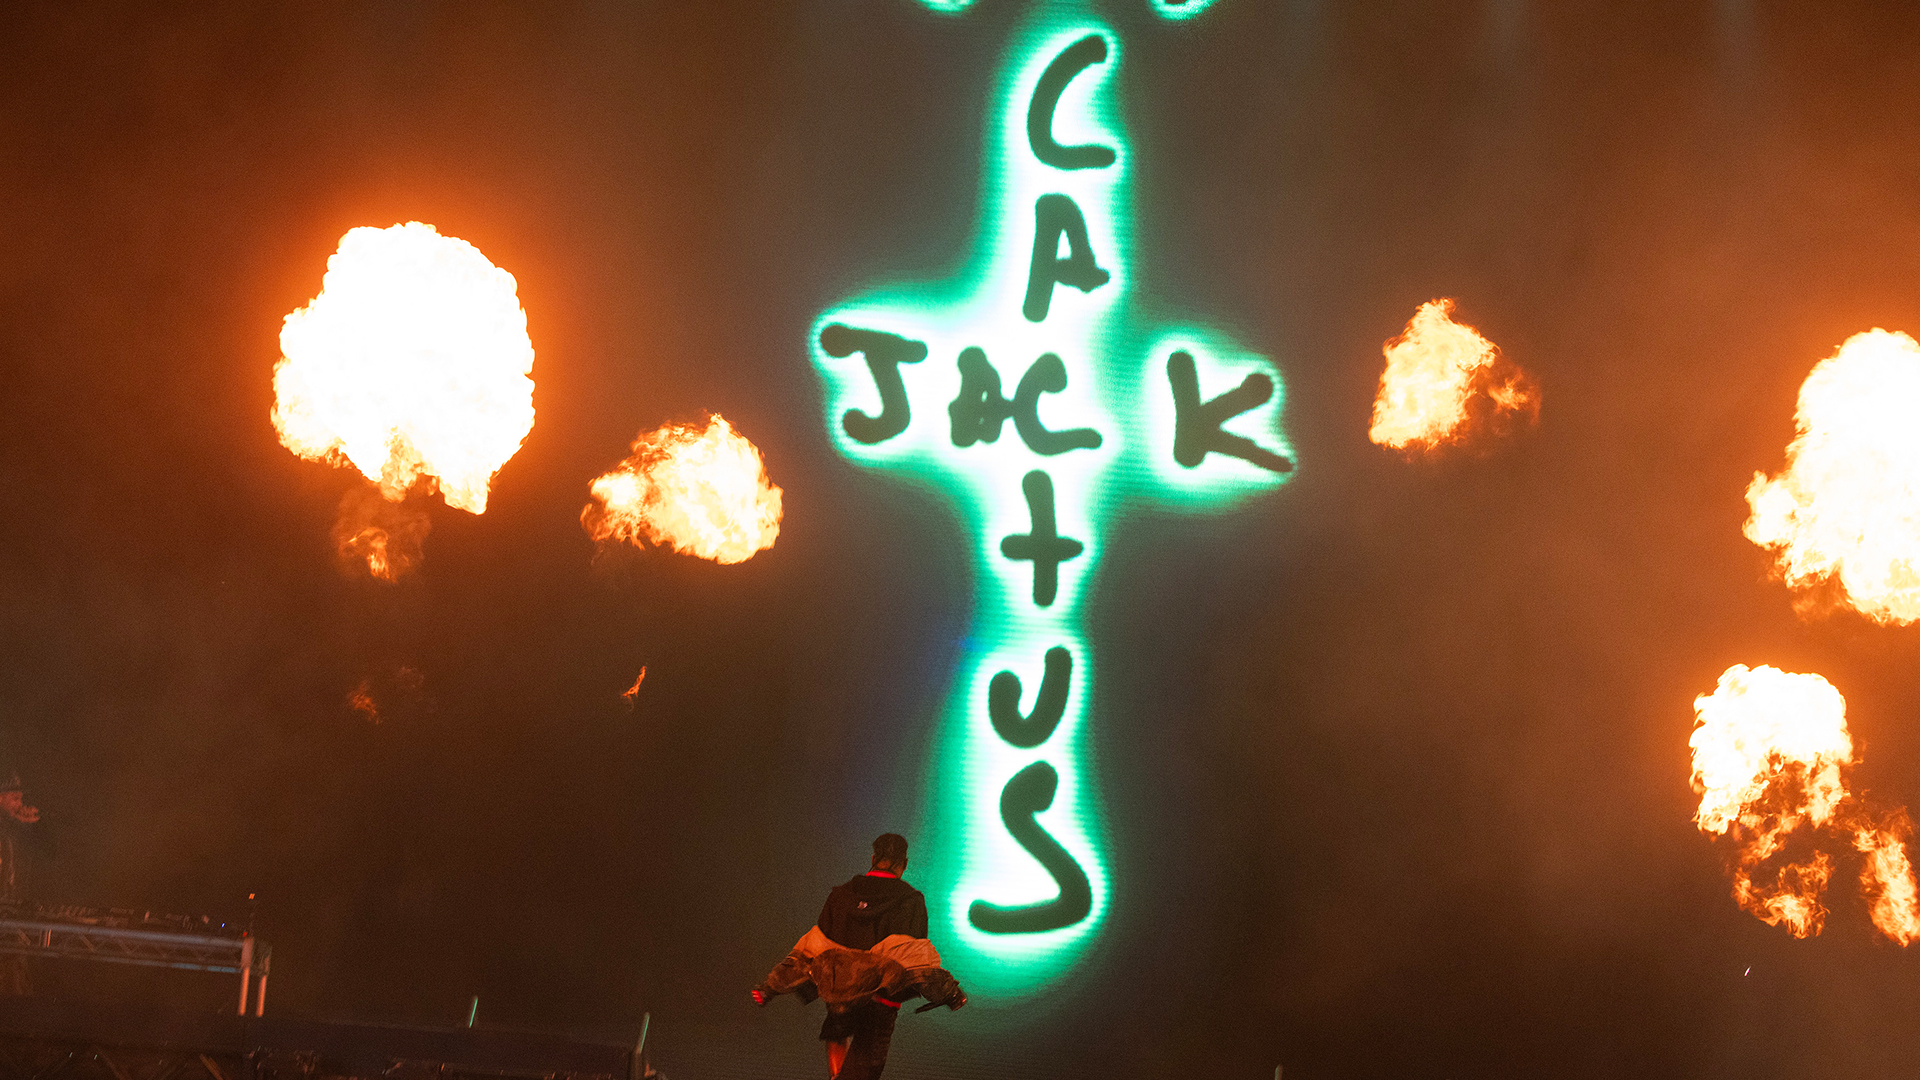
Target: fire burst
{"type": "Point", "coordinates": [412, 365]}
{"type": "Point", "coordinates": [1444, 382]}
{"type": "Point", "coordinates": [701, 491]}
{"type": "Point", "coordinates": [360, 700]}
{"type": "Point", "coordinates": [1847, 507]}
{"type": "Point", "coordinates": [1770, 751]}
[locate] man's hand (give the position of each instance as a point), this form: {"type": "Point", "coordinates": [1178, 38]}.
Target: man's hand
{"type": "Point", "coordinates": [953, 1001]}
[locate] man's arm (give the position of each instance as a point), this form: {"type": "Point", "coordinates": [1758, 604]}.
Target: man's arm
{"type": "Point", "coordinates": [794, 974]}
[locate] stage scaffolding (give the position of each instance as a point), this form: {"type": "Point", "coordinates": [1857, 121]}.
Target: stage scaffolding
{"type": "Point", "coordinates": [142, 940]}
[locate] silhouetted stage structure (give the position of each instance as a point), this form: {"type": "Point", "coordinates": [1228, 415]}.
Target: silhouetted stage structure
{"type": "Point", "coordinates": [154, 1038]}
{"type": "Point", "coordinates": [46, 1039]}
{"type": "Point", "coordinates": [138, 939]}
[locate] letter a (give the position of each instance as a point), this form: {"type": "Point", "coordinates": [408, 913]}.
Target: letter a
{"type": "Point", "coordinates": [1055, 216]}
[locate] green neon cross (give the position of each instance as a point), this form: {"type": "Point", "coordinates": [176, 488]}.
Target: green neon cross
{"type": "Point", "coordinates": [1109, 408]}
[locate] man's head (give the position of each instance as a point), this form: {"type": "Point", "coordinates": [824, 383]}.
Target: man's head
{"type": "Point", "coordinates": [890, 853]}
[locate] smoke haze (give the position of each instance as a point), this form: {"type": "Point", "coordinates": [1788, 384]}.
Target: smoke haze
{"type": "Point", "coordinates": [1396, 758]}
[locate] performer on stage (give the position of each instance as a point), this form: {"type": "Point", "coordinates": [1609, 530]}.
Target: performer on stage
{"type": "Point", "coordinates": [868, 954]}
{"type": "Point", "coordinates": [16, 817]}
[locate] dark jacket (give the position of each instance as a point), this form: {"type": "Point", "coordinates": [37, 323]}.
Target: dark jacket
{"type": "Point", "coordinates": [871, 941]}
{"type": "Point", "coordinates": [871, 907]}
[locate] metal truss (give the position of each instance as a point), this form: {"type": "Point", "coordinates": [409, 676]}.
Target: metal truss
{"type": "Point", "coordinates": [144, 948]}
{"type": "Point", "coordinates": [31, 1058]}
{"type": "Point", "coordinates": [35, 1059]}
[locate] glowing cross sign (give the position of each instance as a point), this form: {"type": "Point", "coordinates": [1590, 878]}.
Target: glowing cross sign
{"type": "Point", "coordinates": [1106, 410]}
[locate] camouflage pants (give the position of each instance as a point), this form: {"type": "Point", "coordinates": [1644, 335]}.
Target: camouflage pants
{"type": "Point", "coordinates": [870, 1026]}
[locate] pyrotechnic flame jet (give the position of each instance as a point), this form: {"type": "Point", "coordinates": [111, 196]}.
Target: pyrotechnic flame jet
{"type": "Point", "coordinates": [1770, 754]}
{"type": "Point", "coordinates": [1847, 506]}
{"type": "Point", "coordinates": [413, 366]}
{"type": "Point", "coordinates": [1444, 384]}
{"type": "Point", "coordinates": [702, 491]}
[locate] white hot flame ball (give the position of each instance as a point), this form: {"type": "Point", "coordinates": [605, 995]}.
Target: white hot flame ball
{"type": "Point", "coordinates": [1848, 504]}
{"type": "Point", "coordinates": [413, 362]}
{"type": "Point", "coordinates": [1755, 724]}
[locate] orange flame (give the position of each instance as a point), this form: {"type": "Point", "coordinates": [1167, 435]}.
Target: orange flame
{"type": "Point", "coordinates": [1443, 381]}
{"type": "Point", "coordinates": [1770, 750]}
{"type": "Point", "coordinates": [632, 693]}
{"type": "Point", "coordinates": [1793, 901]}
{"type": "Point", "coordinates": [1847, 506]}
{"type": "Point", "coordinates": [699, 491]}
{"type": "Point", "coordinates": [412, 365]}
{"type": "Point", "coordinates": [360, 700]}
{"type": "Point", "coordinates": [1887, 879]}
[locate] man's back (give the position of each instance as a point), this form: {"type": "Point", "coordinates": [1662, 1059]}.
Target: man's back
{"type": "Point", "coordinates": [870, 908]}
{"type": "Point", "coordinates": [857, 916]}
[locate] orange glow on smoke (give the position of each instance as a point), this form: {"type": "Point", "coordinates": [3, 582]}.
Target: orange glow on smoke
{"type": "Point", "coordinates": [1847, 506]}
{"type": "Point", "coordinates": [413, 366]}
{"type": "Point", "coordinates": [360, 700]}
{"type": "Point", "coordinates": [1442, 377]}
{"type": "Point", "coordinates": [701, 491]}
{"type": "Point", "coordinates": [382, 537]}
{"type": "Point", "coordinates": [1770, 753]}
{"type": "Point", "coordinates": [632, 693]}
{"type": "Point", "coordinates": [371, 545]}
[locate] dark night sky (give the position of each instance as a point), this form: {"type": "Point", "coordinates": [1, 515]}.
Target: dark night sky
{"type": "Point", "coordinates": [1397, 756]}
